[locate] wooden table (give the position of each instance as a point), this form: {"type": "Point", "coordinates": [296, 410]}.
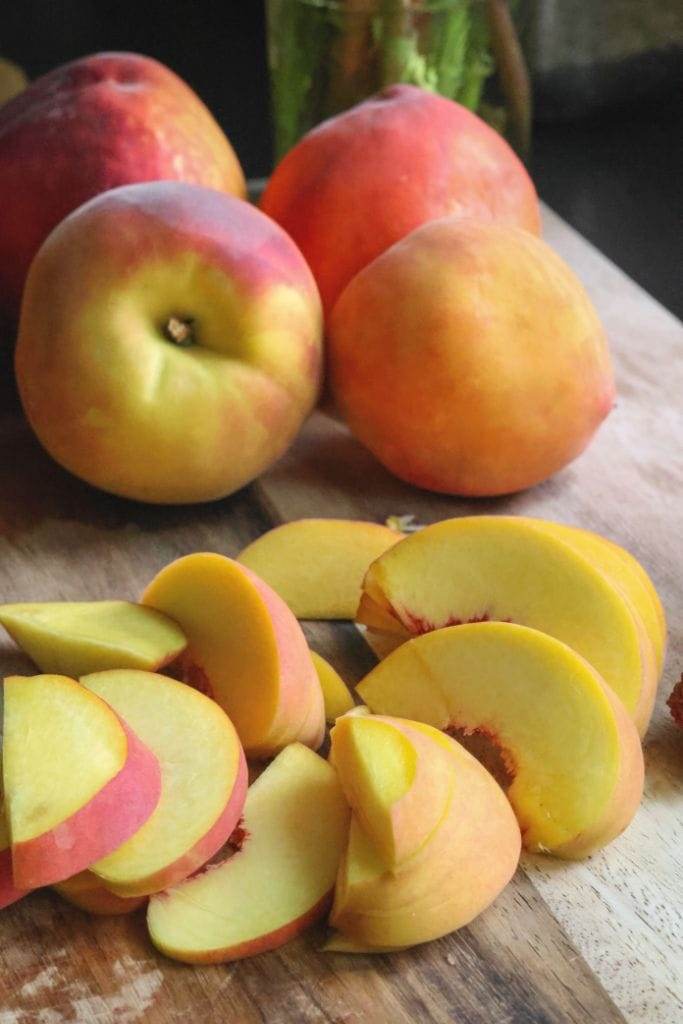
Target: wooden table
{"type": "Point", "coordinates": [599, 941]}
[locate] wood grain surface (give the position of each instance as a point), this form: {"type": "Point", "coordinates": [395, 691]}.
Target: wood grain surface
{"type": "Point", "coordinates": [600, 941]}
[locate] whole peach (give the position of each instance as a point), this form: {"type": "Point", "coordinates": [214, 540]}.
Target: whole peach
{"type": "Point", "coordinates": [362, 180]}
{"type": "Point", "coordinates": [100, 121]}
{"type": "Point", "coordinates": [169, 343]}
{"type": "Point", "coordinates": [469, 359]}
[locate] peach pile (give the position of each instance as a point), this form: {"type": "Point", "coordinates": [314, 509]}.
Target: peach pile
{"type": "Point", "coordinates": [521, 661]}
{"type": "Point", "coordinates": [170, 335]}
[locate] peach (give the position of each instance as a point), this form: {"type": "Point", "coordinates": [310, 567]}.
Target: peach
{"type": "Point", "coordinates": [513, 569]}
{"type": "Point", "coordinates": [277, 883]}
{"type": "Point", "coordinates": [363, 180]}
{"type": "Point", "coordinates": [247, 648]}
{"type": "Point", "coordinates": [465, 857]}
{"type": "Point", "coordinates": [203, 780]}
{"type": "Point", "coordinates": [469, 359]}
{"type": "Point", "coordinates": [104, 120]}
{"type": "Point", "coordinates": [543, 719]}
{"type": "Point", "coordinates": [86, 892]}
{"type": "Point", "coordinates": [337, 697]}
{"type": "Point", "coordinates": [77, 780]}
{"type": "Point", "coordinates": [170, 343]}
{"type": "Point", "coordinates": [74, 637]}
{"type": "Point", "coordinates": [317, 565]}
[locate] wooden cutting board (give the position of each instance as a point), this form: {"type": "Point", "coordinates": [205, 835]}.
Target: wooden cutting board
{"type": "Point", "coordinates": [598, 941]}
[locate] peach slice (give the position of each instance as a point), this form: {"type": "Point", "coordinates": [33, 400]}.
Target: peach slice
{"type": "Point", "coordinates": [336, 694]}
{"type": "Point", "coordinates": [508, 568]}
{"type": "Point", "coordinates": [280, 880]}
{"type": "Point", "coordinates": [246, 643]}
{"type": "Point", "coordinates": [86, 892]}
{"type": "Point", "coordinates": [74, 637]}
{"type": "Point", "coordinates": [566, 749]}
{"type": "Point", "coordinates": [464, 863]}
{"type": "Point", "coordinates": [317, 565]}
{"type": "Point", "coordinates": [78, 782]}
{"type": "Point", "coordinates": [8, 891]}
{"type": "Point", "coordinates": [397, 780]}
{"type": "Point", "coordinates": [203, 780]}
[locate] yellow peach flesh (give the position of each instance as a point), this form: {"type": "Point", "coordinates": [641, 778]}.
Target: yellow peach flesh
{"type": "Point", "coordinates": [203, 780]}
{"type": "Point", "coordinates": [317, 565]}
{"type": "Point", "coordinates": [396, 780]}
{"type": "Point", "coordinates": [336, 694]}
{"type": "Point", "coordinates": [296, 824]}
{"type": "Point", "coordinates": [76, 637]}
{"type": "Point", "coordinates": [42, 785]}
{"type": "Point", "coordinates": [250, 647]}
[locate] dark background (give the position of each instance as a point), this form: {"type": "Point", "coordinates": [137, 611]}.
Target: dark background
{"type": "Point", "coordinates": [617, 177]}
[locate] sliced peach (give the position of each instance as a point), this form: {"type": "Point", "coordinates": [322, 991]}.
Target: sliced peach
{"type": "Point", "coordinates": [481, 568]}
{"type": "Point", "coordinates": [78, 782]}
{"type": "Point", "coordinates": [279, 882]}
{"type": "Point", "coordinates": [336, 694]}
{"type": "Point", "coordinates": [87, 892]}
{"type": "Point", "coordinates": [568, 752]}
{"type": "Point", "coordinates": [8, 891]}
{"type": "Point", "coordinates": [247, 644]}
{"type": "Point", "coordinates": [203, 780]}
{"type": "Point", "coordinates": [75, 637]}
{"type": "Point", "coordinates": [397, 780]}
{"type": "Point", "coordinates": [317, 565]}
{"type": "Point", "coordinates": [465, 862]}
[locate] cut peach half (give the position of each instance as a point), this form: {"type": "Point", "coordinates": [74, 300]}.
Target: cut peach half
{"type": "Point", "coordinates": [558, 738]}
{"type": "Point", "coordinates": [336, 694]}
{"type": "Point", "coordinates": [625, 572]}
{"type": "Point", "coordinates": [203, 780]}
{"type": "Point", "coordinates": [74, 637]}
{"type": "Point", "coordinates": [77, 780]}
{"type": "Point", "coordinates": [8, 890]}
{"type": "Point", "coordinates": [317, 565]}
{"type": "Point", "coordinates": [465, 862]}
{"type": "Point", "coordinates": [249, 648]}
{"type": "Point", "coordinates": [505, 568]}
{"type": "Point", "coordinates": [397, 779]}
{"type": "Point", "coordinates": [87, 892]}
{"type": "Point", "coordinates": [280, 880]}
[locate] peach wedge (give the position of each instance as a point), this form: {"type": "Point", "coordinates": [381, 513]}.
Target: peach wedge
{"type": "Point", "coordinates": [247, 648]}
{"type": "Point", "coordinates": [456, 842]}
{"type": "Point", "coordinates": [87, 892]}
{"type": "Point", "coordinates": [278, 882]}
{"type": "Point", "coordinates": [336, 694]}
{"type": "Point", "coordinates": [512, 569]}
{"type": "Point", "coordinates": [74, 637]}
{"type": "Point", "coordinates": [541, 716]}
{"type": "Point", "coordinates": [77, 780]}
{"type": "Point", "coordinates": [203, 780]}
{"type": "Point", "coordinates": [317, 565]}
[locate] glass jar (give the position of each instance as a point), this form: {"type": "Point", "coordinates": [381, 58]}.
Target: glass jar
{"type": "Point", "coordinates": [326, 55]}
